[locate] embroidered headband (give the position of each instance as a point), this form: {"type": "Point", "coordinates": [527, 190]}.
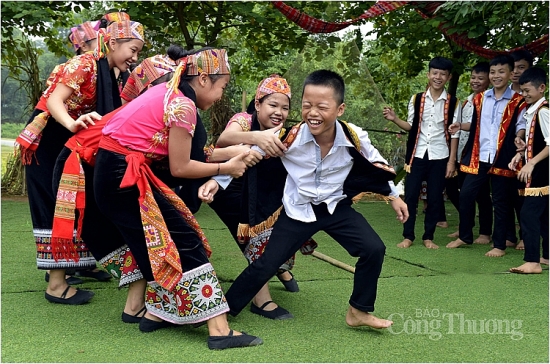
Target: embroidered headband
{"type": "Point", "coordinates": [149, 70]}
{"type": "Point", "coordinates": [125, 29]}
{"type": "Point", "coordinates": [272, 84]}
{"type": "Point", "coordinates": [116, 16]}
{"type": "Point", "coordinates": [209, 61]}
{"type": "Point", "coordinates": [83, 33]}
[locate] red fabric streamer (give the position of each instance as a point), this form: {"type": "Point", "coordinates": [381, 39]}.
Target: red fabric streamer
{"type": "Point", "coordinates": [425, 9]}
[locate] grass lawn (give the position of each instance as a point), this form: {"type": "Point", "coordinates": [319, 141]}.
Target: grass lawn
{"type": "Point", "coordinates": [448, 305]}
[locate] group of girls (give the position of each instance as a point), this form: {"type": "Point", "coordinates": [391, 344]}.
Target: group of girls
{"type": "Point", "coordinates": [99, 190]}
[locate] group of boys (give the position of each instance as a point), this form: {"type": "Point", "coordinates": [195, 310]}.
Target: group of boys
{"type": "Point", "coordinates": [494, 151]}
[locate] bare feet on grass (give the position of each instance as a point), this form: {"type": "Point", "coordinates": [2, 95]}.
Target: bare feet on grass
{"type": "Point", "coordinates": [527, 268]}
{"type": "Point", "coordinates": [543, 261]}
{"type": "Point", "coordinates": [455, 244]}
{"type": "Point", "coordinates": [482, 239]}
{"type": "Point", "coordinates": [495, 253]}
{"type": "Point", "coordinates": [453, 235]}
{"type": "Point", "coordinates": [356, 318]}
{"type": "Point", "coordinates": [430, 244]}
{"type": "Point", "coordinates": [520, 246]}
{"type": "Point", "coordinates": [509, 244]}
{"type": "Point", "coordinates": [405, 243]}
{"type": "Point", "coordinates": [442, 224]}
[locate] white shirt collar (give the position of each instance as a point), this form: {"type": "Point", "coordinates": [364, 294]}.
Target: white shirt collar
{"type": "Point", "coordinates": [532, 108]}
{"type": "Point", "coordinates": [443, 95]}
{"type": "Point", "coordinates": [339, 141]}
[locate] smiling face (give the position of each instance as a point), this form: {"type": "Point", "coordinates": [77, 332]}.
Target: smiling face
{"type": "Point", "coordinates": [519, 67]}
{"type": "Point", "coordinates": [499, 75]}
{"type": "Point", "coordinates": [209, 89]}
{"type": "Point", "coordinates": [124, 52]}
{"type": "Point", "coordinates": [273, 110]}
{"type": "Point", "coordinates": [438, 78]}
{"type": "Point", "coordinates": [479, 81]}
{"type": "Point", "coordinates": [320, 109]}
{"type": "Point", "coordinates": [531, 93]}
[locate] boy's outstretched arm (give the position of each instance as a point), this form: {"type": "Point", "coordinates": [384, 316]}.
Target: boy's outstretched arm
{"type": "Point", "coordinates": [400, 207]}
{"type": "Point", "coordinates": [389, 114]}
{"type": "Point", "coordinates": [208, 190]}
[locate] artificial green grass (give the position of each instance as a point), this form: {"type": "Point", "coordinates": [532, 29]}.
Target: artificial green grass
{"type": "Point", "coordinates": [418, 288]}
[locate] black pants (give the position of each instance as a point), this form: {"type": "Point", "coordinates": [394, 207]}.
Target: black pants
{"type": "Point", "coordinates": [121, 206]}
{"type": "Point", "coordinates": [483, 200]}
{"type": "Point", "coordinates": [503, 191]}
{"type": "Point", "coordinates": [348, 227]}
{"type": "Point", "coordinates": [433, 172]}
{"type": "Point", "coordinates": [227, 205]}
{"type": "Point", "coordinates": [534, 224]}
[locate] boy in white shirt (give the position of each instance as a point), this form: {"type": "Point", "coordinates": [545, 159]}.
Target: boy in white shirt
{"type": "Point", "coordinates": [328, 162]}
{"type": "Point", "coordinates": [431, 150]}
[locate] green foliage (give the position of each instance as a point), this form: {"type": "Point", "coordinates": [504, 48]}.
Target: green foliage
{"type": "Point", "coordinates": [12, 130]}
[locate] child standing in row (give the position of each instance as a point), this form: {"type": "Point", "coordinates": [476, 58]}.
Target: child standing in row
{"type": "Point", "coordinates": [431, 150]}
{"type": "Point", "coordinates": [534, 212]}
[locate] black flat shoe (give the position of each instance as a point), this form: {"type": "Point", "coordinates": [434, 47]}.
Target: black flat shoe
{"type": "Point", "coordinates": [80, 297]}
{"type": "Point", "coordinates": [146, 325]}
{"type": "Point", "coordinates": [291, 285]}
{"type": "Point", "coordinates": [100, 275]}
{"type": "Point", "coordinates": [133, 319]}
{"type": "Point", "coordinates": [71, 281]}
{"type": "Point", "coordinates": [231, 341]}
{"type": "Point", "coordinates": [277, 314]}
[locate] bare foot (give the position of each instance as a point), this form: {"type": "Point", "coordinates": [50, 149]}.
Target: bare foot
{"type": "Point", "coordinates": [527, 268]}
{"type": "Point", "coordinates": [442, 224]}
{"type": "Point", "coordinates": [453, 235]}
{"type": "Point", "coordinates": [356, 318]}
{"type": "Point", "coordinates": [543, 261]}
{"type": "Point", "coordinates": [483, 239]}
{"type": "Point", "coordinates": [430, 244]}
{"type": "Point", "coordinates": [520, 245]}
{"type": "Point", "coordinates": [495, 252]}
{"type": "Point", "coordinates": [455, 244]}
{"type": "Point", "coordinates": [405, 243]}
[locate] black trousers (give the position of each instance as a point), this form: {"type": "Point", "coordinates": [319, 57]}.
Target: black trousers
{"type": "Point", "coordinates": [348, 227]}
{"type": "Point", "coordinates": [227, 205]}
{"type": "Point", "coordinates": [483, 200]}
{"type": "Point", "coordinates": [503, 189]}
{"type": "Point", "coordinates": [121, 206]}
{"type": "Point", "coordinates": [433, 172]}
{"type": "Point", "coordinates": [534, 224]}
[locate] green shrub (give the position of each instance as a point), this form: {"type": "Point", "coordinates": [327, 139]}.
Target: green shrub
{"type": "Point", "coordinates": [11, 130]}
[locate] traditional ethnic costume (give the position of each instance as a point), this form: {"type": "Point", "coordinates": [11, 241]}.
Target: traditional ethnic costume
{"type": "Point", "coordinates": [163, 235]}
{"type": "Point", "coordinates": [76, 162]}
{"type": "Point", "coordinates": [353, 166]}
{"type": "Point", "coordinates": [428, 146]}
{"type": "Point", "coordinates": [489, 149]}
{"type": "Point", "coordinates": [534, 213]}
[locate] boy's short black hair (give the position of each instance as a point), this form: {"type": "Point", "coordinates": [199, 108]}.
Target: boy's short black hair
{"type": "Point", "coordinates": [481, 67]}
{"type": "Point", "coordinates": [522, 54]}
{"type": "Point", "coordinates": [504, 59]}
{"type": "Point", "coordinates": [329, 79]}
{"type": "Point", "coordinates": [535, 75]}
{"type": "Point", "coordinates": [441, 63]}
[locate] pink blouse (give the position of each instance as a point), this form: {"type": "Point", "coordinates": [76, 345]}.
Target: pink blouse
{"type": "Point", "coordinates": [144, 126]}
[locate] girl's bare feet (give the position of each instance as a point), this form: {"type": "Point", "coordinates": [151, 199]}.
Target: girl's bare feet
{"type": "Point", "coordinates": [356, 318]}
{"type": "Point", "coordinates": [520, 246]}
{"type": "Point", "coordinates": [482, 239]}
{"type": "Point", "coordinates": [543, 261]}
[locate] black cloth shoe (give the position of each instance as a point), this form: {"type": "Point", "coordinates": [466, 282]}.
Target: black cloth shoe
{"type": "Point", "coordinates": [277, 314]}
{"type": "Point", "coordinates": [81, 296]}
{"type": "Point", "coordinates": [100, 275]}
{"type": "Point", "coordinates": [231, 341]}
{"type": "Point", "coordinates": [146, 325]}
{"type": "Point", "coordinates": [291, 285]}
{"type": "Point", "coordinates": [133, 319]}
{"type": "Point", "coordinates": [71, 281]}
